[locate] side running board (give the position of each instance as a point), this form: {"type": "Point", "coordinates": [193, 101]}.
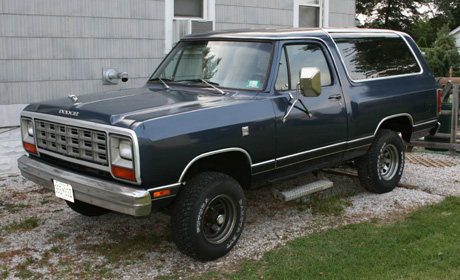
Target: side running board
{"type": "Point", "coordinates": [302, 191]}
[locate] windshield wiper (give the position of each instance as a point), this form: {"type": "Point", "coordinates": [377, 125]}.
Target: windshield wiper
{"type": "Point", "coordinates": [198, 81]}
{"type": "Point", "coordinates": [209, 83]}
{"type": "Point", "coordinates": [163, 81]}
{"type": "Point", "coordinates": [213, 85]}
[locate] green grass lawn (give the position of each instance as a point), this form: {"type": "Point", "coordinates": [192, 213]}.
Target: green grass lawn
{"type": "Point", "coordinates": [426, 245]}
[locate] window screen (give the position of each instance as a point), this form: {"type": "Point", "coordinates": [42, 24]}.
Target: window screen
{"type": "Point", "coordinates": [376, 57]}
{"type": "Point", "coordinates": [294, 58]}
{"type": "Point", "coordinates": [308, 16]}
{"type": "Point", "coordinates": [309, 13]}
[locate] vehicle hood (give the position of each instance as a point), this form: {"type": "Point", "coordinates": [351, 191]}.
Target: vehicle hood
{"type": "Point", "coordinates": [125, 108]}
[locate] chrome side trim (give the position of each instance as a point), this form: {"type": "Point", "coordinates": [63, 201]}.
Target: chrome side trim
{"type": "Point", "coordinates": [96, 126]}
{"type": "Point", "coordinates": [311, 151]}
{"type": "Point", "coordinates": [300, 161]}
{"type": "Point", "coordinates": [318, 149]}
{"type": "Point", "coordinates": [360, 139]}
{"type": "Point", "coordinates": [260, 163]}
{"type": "Point", "coordinates": [263, 163]}
{"type": "Point", "coordinates": [175, 185]}
{"type": "Point", "coordinates": [264, 166]}
{"type": "Point", "coordinates": [222, 151]}
{"type": "Point", "coordinates": [392, 117]}
{"type": "Point", "coordinates": [425, 123]}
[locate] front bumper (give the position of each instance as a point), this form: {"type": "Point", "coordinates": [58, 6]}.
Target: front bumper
{"type": "Point", "coordinates": [115, 196]}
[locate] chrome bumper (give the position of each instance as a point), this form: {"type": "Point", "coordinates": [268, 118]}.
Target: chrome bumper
{"type": "Point", "coordinates": [115, 196]}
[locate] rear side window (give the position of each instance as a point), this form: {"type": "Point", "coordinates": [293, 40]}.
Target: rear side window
{"type": "Point", "coordinates": [377, 57]}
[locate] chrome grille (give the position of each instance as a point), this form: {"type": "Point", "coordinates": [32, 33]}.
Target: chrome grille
{"type": "Point", "coordinates": [76, 142]}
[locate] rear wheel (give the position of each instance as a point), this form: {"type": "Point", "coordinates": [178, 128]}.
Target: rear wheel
{"type": "Point", "coordinates": [381, 168]}
{"type": "Point", "coordinates": [86, 209]}
{"type": "Point", "coordinates": [208, 216]}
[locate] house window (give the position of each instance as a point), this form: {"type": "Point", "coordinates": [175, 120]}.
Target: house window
{"type": "Point", "coordinates": [309, 13]}
{"type": "Point", "coordinates": [188, 8]}
{"type": "Point", "coordinates": [184, 17]}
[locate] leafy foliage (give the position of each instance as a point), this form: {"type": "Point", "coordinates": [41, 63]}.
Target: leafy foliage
{"type": "Point", "coordinates": [389, 14]}
{"type": "Point", "coordinates": [419, 18]}
{"type": "Point", "coordinates": [421, 43]}
{"type": "Point", "coordinates": [427, 21]}
{"type": "Point", "coordinates": [443, 55]}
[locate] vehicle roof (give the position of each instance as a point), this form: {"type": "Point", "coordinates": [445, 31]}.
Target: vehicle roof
{"type": "Point", "coordinates": [286, 33]}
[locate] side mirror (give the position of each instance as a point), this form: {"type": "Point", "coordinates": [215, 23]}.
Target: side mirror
{"type": "Point", "coordinates": [310, 82]}
{"type": "Point", "coordinates": [309, 86]}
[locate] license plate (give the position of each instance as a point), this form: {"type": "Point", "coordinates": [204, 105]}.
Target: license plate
{"type": "Point", "coordinates": [63, 190]}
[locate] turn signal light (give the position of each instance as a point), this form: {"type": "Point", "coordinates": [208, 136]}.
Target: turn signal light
{"type": "Point", "coordinates": [31, 148]}
{"type": "Point", "coordinates": [124, 173]}
{"type": "Point", "coordinates": [161, 193]}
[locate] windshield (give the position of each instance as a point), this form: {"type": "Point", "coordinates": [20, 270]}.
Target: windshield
{"type": "Point", "coordinates": [229, 64]}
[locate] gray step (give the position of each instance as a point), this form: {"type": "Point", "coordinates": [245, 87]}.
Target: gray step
{"type": "Point", "coordinates": [302, 191]}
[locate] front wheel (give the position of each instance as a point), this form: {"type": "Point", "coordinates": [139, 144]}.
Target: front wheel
{"type": "Point", "coordinates": [381, 168]}
{"type": "Point", "coordinates": [208, 216]}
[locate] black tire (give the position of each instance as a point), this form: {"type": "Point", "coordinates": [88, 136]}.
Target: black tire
{"type": "Point", "coordinates": [208, 216]}
{"type": "Point", "coordinates": [380, 170]}
{"type": "Point", "coordinates": [86, 209]}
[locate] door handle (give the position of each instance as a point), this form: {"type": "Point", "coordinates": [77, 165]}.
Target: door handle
{"type": "Point", "coordinates": [335, 97]}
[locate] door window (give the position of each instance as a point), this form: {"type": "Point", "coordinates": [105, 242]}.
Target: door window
{"type": "Point", "coordinates": [294, 58]}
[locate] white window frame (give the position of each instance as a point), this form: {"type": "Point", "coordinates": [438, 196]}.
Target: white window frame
{"type": "Point", "coordinates": [209, 14]}
{"type": "Point", "coordinates": [323, 12]}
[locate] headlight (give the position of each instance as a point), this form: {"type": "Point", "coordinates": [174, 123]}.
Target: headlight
{"type": "Point", "coordinates": [30, 128]}
{"type": "Point", "coordinates": [126, 150]}
{"type": "Point", "coordinates": [122, 160]}
{"type": "Point", "coordinates": [28, 135]}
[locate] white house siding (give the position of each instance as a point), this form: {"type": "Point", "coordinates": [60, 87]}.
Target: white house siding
{"type": "Point", "coordinates": [342, 13]}
{"type": "Point", "coordinates": [53, 48]}
{"type": "Point", "coordinates": [50, 48]}
{"type": "Point", "coordinates": [456, 34]}
{"type": "Point", "coordinates": [231, 14]}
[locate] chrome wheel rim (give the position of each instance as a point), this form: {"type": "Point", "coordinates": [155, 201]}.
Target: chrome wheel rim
{"type": "Point", "coordinates": [388, 162]}
{"type": "Point", "coordinates": [219, 219]}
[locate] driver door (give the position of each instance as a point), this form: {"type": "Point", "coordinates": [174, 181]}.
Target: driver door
{"type": "Point", "coordinates": [304, 141]}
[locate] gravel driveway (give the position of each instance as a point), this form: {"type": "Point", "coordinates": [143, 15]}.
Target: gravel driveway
{"type": "Point", "coordinates": [41, 237]}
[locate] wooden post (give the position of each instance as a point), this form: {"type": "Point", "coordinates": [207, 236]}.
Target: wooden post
{"type": "Point", "coordinates": [453, 135]}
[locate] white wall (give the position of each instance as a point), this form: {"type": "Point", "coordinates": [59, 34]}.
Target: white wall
{"type": "Point", "coordinates": [456, 34]}
{"type": "Point", "coordinates": [234, 14]}
{"type": "Point", "coordinates": [342, 13]}
{"type": "Point", "coordinates": [50, 48]}
{"type": "Point", "coordinates": [53, 48]}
